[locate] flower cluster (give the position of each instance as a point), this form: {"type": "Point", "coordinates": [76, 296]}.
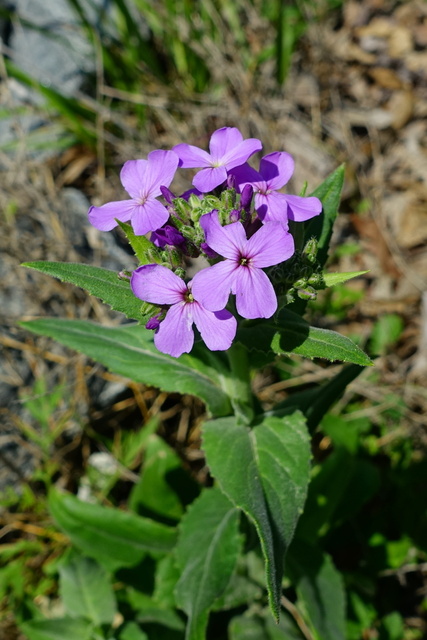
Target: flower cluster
{"type": "Point", "coordinates": [235, 217]}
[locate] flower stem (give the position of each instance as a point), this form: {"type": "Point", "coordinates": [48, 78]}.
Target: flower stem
{"type": "Point", "coordinates": [240, 388]}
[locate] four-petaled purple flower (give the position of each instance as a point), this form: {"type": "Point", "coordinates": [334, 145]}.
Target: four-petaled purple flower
{"type": "Point", "coordinates": [158, 285]}
{"type": "Point", "coordinates": [241, 271]}
{"type": "Point", "coordinates": [275, 171]}
{"type": "Point", "coordinates": [227, 150]}
{"type": "Point", "coordinates": [142, 180]}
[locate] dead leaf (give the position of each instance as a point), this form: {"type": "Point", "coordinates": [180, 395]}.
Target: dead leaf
{"type": "Point", "coordinates": [401, 107]}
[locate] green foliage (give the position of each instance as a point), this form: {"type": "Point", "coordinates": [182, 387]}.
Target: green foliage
{"type": "Point", "coordinates": [102, 283]}
{"type": "Point", "coordinates": [86, 590]}
{"type": "Point", "coordinates": [58, 629]}
{"type": "Point", "coordinates": [294, 335]}
{"type": "Point", "coordinates": [114, 538]}
{"type": "Point", "coordinates": [129, 351]}
{"type": "Point", "coordinates": [264, 473]}
{"type": "Point", "coordinates": [206, 553]}
{"type": "Point", "coordinates": [386, 332]}
{"type": "Point", "coordinates": [320, 590]}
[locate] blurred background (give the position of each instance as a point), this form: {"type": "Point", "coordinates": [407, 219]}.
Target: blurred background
{"type": "Point", "coordinates": [86, 85]}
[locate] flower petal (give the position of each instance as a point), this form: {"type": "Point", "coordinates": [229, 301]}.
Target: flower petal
{"type": "Point", "coordinates": [161, 169]}
{"type": "Point", "coordinates": [191, 157]}
{"type": "Point", "coordinates": [104, 218]}
{"type": "Point", "coordinates": [270, 245]}
{"type": "Point", "coordinates": [228, 241]}
{"type": "Point", "coordinates": [272, 207]}
{"type": "Point", "coordinates": [223, 141]}
{"type": "Point", "coordinates": [244, 174]}
{"type": "Point", "coordinates": [241, 153]}
{"type": "Point", "coordinates": [217, 329]}
{"type": "Point", "coordinates": [212, 286]}
{"type": "Point", "coordinates": [255, 296]}
{"type": "Point", "coordinates": [207, 179]}
{"type": "Point", "coordinates": [175, 335]}
{"type": "Point", "coordinates": [133, 177]}
{"type": "Point", "coordinates": [300, 208]}
{"type": "Point", "coordinates": [157, 284]}
{"type": "Point", "coordinates": [149, 217]}
{"type": "Point", "coordinates": [277, 168]}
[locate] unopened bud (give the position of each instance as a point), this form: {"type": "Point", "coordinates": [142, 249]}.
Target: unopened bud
{"type": "Point", "coordinates": [310, 250]}
{"type": "Point", "coordinates": [234, 215]}
{"type": "Point", "coordinates": [231, 181]}
{"type": "Point", "coordinates": [246, 197]}
{"type": "Point", "coordinates": [307, 294]}
{"type": "Point", "coordinates": [209, 253]}
{"type": "Point", "coordinates": [167, 194]}
{"type": "Point", "coordinates": [317, 281]}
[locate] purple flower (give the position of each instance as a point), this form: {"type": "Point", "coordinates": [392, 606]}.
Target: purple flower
{"type": "Point", "coordinates": [142, 180]}
{"type": "Point", "coordinates": [227, 150]}
{"type": "Point", "coordinates": [241, 271]}
{"type": "Point", "coordinates": [274, 172]}
{"type": "Point", "coordinates": [158, 285]}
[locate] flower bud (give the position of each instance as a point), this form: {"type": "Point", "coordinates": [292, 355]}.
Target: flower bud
{"type": "Point", "coordinates": [310, 250]}
{"type": "Point", "coordinates": [231, 181]}
{"type": "Point", "coordinates": [307, 294]}
{"type": "Point", "coordinates": [167, 194]}
{"type": "Point", "coordinates": [246, 197]}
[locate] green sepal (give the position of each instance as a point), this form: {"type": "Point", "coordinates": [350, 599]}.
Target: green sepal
{"type": "Point", "coordinates": [144, 249]}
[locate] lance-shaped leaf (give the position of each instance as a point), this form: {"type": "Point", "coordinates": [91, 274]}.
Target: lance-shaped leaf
{"type": "Point", "coordinates": [207, 551]}
{"type": "Point", "coordinates": [102, 283]}
{"type": "Point", "coordinates": [320, 227]}
{"type": "Point", "coordinates": [295, 335]}
{"type": "Point", "coordinates": [264, 472]}
{"type": "Point", "coordinates": [331, 279]}
{"type": "Point", "coordinates": [86, 590]}
{"type": "Point", "coordinates": [57, 629]}
{"type": "Point", "coordinates": [115, 538]}
{"type": "Point", "coordinates": [129, 351]}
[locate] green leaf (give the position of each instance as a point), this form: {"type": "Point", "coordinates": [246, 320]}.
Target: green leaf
{"type": "Point", "coordinates": [207, 552]}
{"type": "Point", "coordinates": [102, 283]}
{"type": "Point", "coordinates": [320, 590]}
{"type": "Point", "coordinates": [129, 351]}
{"type": "Point", "coordinates": [145, 251]}
{"type": "Point", "coordinates": [153, 490]}
{"type": "Point", "coordinates": [331, 279]}
{"type": "Point", "coordinates": [115, 538]}
{"type": "Point", "coordinates": [339, 488]}
{"type": "Point", "coordinates": [86, 590]}
{"type": "Point", "coordinates": [132, 631]}
{"type": "Point", "coordinates": [148, 610]}
{"type": "Point", "coordinates": [57, 629]}
{"type": "Point", "coordinates": [167, 575]}
{"type": "Point", "coordinates": [318, 343]}
{"type": "Point", "coordinates": [264, 472]}
{"type": "Point", "coordinates": [247, 628]}
{"type": "Point", "coordinates": [320, 227]}
{"type": "Point", "coordinates": [294, 335]}
{"type": "Point", "coordinates": [386, 332]}
{"type": "Point", "coordinates": [240, 591]}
